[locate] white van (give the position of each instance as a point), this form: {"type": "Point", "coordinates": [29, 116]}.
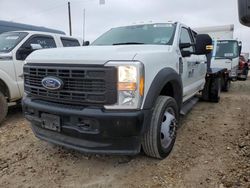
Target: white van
{"type": "Point", "coordinates": [14, 48]}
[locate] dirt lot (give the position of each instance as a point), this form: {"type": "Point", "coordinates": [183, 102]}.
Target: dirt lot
{"type": "Point", "coordinates": [212, 150]}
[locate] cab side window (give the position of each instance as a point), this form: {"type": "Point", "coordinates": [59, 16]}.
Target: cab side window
{"type": "Point", "coordinates": [26, 49]}
{"type": "Point", "coordinates": [186, 37]}
{"type": "Point", "coordinates": [44, 41]}
{"type": "Point", "coordinates": [69, 42]}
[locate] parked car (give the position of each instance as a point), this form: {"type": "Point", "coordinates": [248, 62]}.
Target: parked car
{"type": "Point", "coordinates": [123, 92]}
{"type": "Point", "coordinates": [14, 48]}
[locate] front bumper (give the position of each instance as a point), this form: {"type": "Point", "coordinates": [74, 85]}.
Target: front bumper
{"type": "Point", "coordinates": [242, 73]}
{"type": "Point", "coordinates": [233, 76]}
{"type": "Point", "coordinates": [242, 76]}
{"type": "Point", "coordinates": [90, 130]}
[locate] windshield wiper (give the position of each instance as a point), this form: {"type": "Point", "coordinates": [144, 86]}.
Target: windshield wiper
{"type": "Point", "coordinates": [127, 43]}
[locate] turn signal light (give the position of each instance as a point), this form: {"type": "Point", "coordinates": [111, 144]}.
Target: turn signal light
{"type": "Point", "coordinates": [209, 47]}
{"type": "Point", "coordinates": [126, 86]}
{"type": "Point", "coordinates": [141, 88]}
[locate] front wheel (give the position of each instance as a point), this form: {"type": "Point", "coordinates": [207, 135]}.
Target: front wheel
{"type": "Point", "coordinates": [160, 137]}
{"type": "Point", "coordinates": [3, 107]}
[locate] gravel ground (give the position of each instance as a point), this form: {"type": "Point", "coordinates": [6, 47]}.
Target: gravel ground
{"type": "Point", "coordinates": [212, 150]}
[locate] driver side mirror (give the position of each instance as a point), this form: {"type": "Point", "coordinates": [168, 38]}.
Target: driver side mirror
{"type": "Point", "coordinates": [23, 52]}
{"type": "Point", "coordinates": [203, 45]}
{"type": "Point", "coordinates": [244, 12]}
{"type": "Point", "coordinates": [185, 45]}
{"type": "Point", "coordinates": [86, 43]}
{"type": "Point", "coordinates": [185, 53]}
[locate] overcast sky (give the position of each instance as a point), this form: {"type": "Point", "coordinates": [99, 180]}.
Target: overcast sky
{"type": "Point", "coordinates": [99, 18]}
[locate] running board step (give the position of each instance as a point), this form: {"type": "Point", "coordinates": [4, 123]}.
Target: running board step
{"type": "Point", "coordinates": [187, 106]}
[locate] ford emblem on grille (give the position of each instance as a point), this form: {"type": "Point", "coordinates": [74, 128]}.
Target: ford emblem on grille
{"type": "Point", "coordinates": [52, 83]}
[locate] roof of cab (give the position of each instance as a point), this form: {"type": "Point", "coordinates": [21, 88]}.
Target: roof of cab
{"type": "Point", "coordinates": [148, 23]}
{"type": "Point", "coordinates": [43, 33]}
{"type": "Point", "coordinates": [6, 26]}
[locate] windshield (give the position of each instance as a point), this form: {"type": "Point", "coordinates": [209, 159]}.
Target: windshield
{"type": "Point", "coordinates": [227, 49]}
{"type": "Point", "coordinates": [159, 34]}
{"type": "Point", "coordinates": [8, 41]}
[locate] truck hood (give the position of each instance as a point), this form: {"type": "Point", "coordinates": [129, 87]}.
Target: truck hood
{"type": "Point", "coordinates": [98, 55]}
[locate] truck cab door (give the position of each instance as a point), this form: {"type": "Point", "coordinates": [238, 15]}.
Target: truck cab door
{"type": "Point", "coordinates": [45, 41]}
{"type": "Point", "coordinates": [193, 67]}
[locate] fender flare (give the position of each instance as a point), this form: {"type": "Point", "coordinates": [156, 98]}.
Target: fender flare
{"type": "Point", "coordinates": [166, 75]}
{"type": "Point", "coordinates": [6, 80]}
{"type": "Point", "coordinates": [7, 87]}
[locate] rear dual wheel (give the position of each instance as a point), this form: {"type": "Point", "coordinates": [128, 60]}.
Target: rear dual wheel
{"type": "Point", "coordinates": [159, 139]}
{"type": "Point", "coordinates": [226, 84]}
{"type": "Point", "coordinates": [215, 90]}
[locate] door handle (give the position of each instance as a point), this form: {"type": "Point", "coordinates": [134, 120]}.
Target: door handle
{"type": "Point", "coordinates": [197, 63]}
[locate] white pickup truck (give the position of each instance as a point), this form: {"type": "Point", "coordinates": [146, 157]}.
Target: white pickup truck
{"type": "Point", "coordinates": [123, 92]}
{"type": "Point", "coordinates": [14, 48]}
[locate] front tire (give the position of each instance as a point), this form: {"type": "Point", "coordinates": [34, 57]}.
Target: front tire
{"type": "Point", "coordinates": [160, 137]}
{"type": "Point", "coordinates": [3, 107]}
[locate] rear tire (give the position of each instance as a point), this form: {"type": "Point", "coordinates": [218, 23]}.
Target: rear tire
{"type": "Point", "coordinates": [160, 137]}
{"type": "Point", "coordinates": [215, 90]}
{"type": "Point", "coordinates": [3, 107]}
{"type": "Point", "coordinates": [227, 85]}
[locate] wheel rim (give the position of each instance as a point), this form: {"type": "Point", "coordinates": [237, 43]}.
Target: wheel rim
{"type": "Point", "coordinates": [168, 128]}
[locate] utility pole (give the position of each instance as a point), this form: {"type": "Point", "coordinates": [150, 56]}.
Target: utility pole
{"type": "Point", "coordinates": [70, 26]}
{"type": "Point", "coordinates": [84, 23]}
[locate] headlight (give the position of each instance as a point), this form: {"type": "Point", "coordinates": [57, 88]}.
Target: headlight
{"type": "Point", "coordinates": [130, 85]}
